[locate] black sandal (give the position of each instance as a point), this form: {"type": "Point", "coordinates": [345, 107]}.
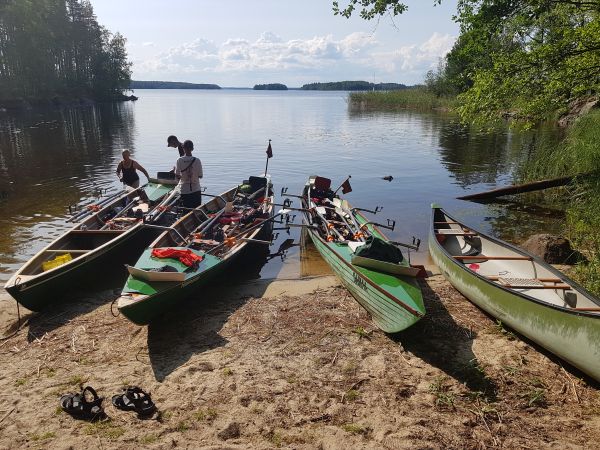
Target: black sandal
{"type": "Point", "coordinates": [134, 399]}
{"type": "Point", "coordinates": [79, 407]}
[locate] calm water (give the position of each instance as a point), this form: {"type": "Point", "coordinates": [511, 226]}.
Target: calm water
{"type": "Point", "coordinates": [54, 158]}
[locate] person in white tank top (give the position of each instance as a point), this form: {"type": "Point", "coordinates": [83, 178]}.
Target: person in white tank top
{"type": "Point", "coordinates": [188, 171]}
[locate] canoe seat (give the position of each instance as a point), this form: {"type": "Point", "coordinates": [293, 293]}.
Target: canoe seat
{"type": "Point", "coordinates": [519, 282]}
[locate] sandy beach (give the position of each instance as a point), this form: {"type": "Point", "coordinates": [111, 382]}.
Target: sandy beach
{"type": "Point", "coordinates": [290, 364]}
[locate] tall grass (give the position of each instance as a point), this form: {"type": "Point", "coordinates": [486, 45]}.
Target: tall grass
{"type": "Point", "coordinates": [578, 153]}
{"type": "Point", "coordinates": [417, 98]}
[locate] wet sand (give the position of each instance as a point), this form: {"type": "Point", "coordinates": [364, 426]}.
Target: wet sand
{"type": "Point", "coordinates": [290, 364]}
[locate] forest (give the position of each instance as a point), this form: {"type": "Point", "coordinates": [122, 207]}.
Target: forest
{"type": "Point", "coordinates": [57, 50]}
{"type": "Point", "coordinates": [352, 86]}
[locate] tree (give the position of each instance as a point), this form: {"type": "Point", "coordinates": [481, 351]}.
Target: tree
{"type": "Point", "coordinates": [52, 48]}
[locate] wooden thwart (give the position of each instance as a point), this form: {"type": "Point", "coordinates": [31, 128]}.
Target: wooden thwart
{"type": "Point", "coordinates": [502, 258]}
{"type": "Point", "coordinates": [546, 280]}
{"type": "Point", "coordinates": [67, 251]}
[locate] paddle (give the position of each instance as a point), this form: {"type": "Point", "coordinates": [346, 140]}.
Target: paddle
{"type": "Point", "coordinates": [247, 230]}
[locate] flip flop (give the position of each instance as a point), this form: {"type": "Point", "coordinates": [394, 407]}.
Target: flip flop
{"type": "Point", "coordinates": [79, 407]}
{"type": "Point", "coordinates": [134, 399]}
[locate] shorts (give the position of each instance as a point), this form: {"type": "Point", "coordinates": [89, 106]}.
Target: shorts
{"type": "Point", "coordinates": [192, 200]}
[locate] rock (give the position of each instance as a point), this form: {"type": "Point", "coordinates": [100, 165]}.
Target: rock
{"type": "Point", "coordinates": [552, 249]}
{"type": "Point", "coordinates": [232, 431]}
{"type": "Point", "coordinates": [578, 108]}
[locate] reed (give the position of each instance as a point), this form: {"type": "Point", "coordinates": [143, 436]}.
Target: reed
{"type": "Point", "coordinates": [577, 153]}
{"type": "Point", "coordinates": [417, 98]}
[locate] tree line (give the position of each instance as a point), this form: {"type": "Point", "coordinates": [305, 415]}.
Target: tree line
{"type": "Point", "coordinates": [57, 48]}
{"type": "Point", "coordinates": [352, 86]}
{"type": "Point", "coordinates": [527, 59]}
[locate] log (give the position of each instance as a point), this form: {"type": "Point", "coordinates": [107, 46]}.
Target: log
{"type": "Point", "coordinates": [520, 188]}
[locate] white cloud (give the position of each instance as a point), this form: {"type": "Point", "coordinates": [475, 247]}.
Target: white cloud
{"type": "Point", "coordinates": [148, 44]}
{"type": "Point", "coordinates": [296, 61]}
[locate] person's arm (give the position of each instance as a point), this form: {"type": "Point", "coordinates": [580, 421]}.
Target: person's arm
{"type": "Point", "coordinates": [139, 167]}
{"type": "Point", "coordinates": [119, 168]}
{"type": "Point", "coordinates": [177, 170]}
{"type": "Point", "coordinates": [200, 173]}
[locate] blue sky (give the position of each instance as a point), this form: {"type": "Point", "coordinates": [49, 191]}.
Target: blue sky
{"type": "Point", "coordinates": [241, 42]}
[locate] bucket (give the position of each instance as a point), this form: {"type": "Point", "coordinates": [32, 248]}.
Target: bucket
{"type": "Point", "coordinates": [58, 261]}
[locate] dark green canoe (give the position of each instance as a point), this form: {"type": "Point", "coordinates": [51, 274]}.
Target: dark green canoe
{"type": "Point", "coordinates": [109, 236]}
{"type": "Point", "coordinates": [149, 293]}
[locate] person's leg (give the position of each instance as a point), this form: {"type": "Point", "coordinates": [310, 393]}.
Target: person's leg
{"type": "Point", "coordinates": [135, 184]}
{"type": "Point", "coordinates": [197, 201]}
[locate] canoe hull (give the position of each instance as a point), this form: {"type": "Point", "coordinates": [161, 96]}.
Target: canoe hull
{"type": "Point", "coordinates": [54, 286]}
{"type": "Point", "coordinates": [387, 314]}
{"type": "Point", "coordinates": [572, 336]}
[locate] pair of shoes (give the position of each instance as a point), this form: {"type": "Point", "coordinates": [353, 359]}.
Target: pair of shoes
{"type": "Point", "coordinates": [134, 399]}
{"type": "Point", "coordinates": [87, 405]}
{"type": "Point", "coordinates": [80, 406]}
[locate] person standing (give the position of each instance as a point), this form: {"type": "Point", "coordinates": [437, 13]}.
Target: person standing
{"type": "Point", "coordinates": [172, 141]}
{"type": "Point", "coordinates": [188, 171]}
{"type": "Point", "coordinates": [126, 170]}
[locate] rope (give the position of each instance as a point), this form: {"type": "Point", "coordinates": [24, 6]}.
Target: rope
{"type": "Point", "coordinates": [4, 338]}
{"type": "Point", "coordinates": [112, 310]}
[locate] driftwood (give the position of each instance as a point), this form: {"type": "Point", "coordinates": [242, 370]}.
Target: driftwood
{"type": "Point", "coordinates": [520, 188]}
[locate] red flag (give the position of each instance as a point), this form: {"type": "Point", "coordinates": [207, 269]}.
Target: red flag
{"type": "Point", "coordinates": [346, 186]}
{"type": "Point", "coordinates": [269, 150]}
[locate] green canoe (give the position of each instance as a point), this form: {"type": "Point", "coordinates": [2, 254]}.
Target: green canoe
{"type": "Point", "coordinates": [108, 236]}
{"type": "Point", "coordinates": [520, 290]}
{"type": "Point", "coordinates": [216, 232]}
{"type": "Point", "coordinates": [389, 292]}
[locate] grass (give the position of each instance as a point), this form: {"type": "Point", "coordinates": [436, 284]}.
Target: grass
{"type": "Point", "coordinates": [444, 397]}
{"type": "Point", "coordinates": [354, 428]}
{"type": "Point", "coordinates": [414, 98]}
{"type": "Point", "coordinates": [362, 333]}
{"type": "Point", "coordinates": [352, 395]}
{"type": "Point", "coordinates": [77, 380]}
{"type": "Point", "coordinates": [500, 330]}
{"type": "Point", "coordinates": [148, 439]}
{"type": "Point", "coordinates": [227, 371]}
{"type": "Point", "coordinates": [577, 153]}
{"type": "Point", "coordinates": [43, 436]}
{"type": "Point", "coordinates": [105, 429]}
{"type": "Point", "coordinates": [182, 427]}
{"type": "Point", "coordinates": [208, 415]}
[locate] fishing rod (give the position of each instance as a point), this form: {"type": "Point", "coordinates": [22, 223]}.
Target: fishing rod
{"type": "Point", "coordinates": [246, 231]}
{"type": "Point", "coordinates": [90, 209]}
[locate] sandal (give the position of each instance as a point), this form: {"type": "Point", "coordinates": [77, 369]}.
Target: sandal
{"type": "Point", "coordinates": [79, 407]}
{"type": "Point", "coordinates": [134, 399]}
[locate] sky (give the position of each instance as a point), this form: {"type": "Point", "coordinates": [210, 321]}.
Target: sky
{"type": "Point", "coordinates": [240, 43]}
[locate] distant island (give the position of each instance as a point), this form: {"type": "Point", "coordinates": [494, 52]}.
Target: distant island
{"type": "Point", "coordinates": [170, 85]}
{"type": "Point", "coordinates": [353, 86]}
{"type": "Point", "coordinates": [270, 87]}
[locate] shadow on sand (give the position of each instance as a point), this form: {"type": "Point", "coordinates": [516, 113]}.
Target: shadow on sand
{"type": "Point", "coordinates": [193, 326]}
{"type": "Point", "coordinates": [438, 340]}
{"type": "Point", "coordinates": [76, 303]}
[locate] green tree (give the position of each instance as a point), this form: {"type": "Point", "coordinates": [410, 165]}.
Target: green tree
{"type": "Point", "coordinates": [52, 48]}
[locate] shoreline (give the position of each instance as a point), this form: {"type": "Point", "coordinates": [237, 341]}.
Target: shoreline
{"type": "Point", "coordinates": [291, 364]}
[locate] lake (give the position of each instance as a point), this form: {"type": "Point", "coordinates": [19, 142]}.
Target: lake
{"type": "Point", "coordinates": [53, 158]}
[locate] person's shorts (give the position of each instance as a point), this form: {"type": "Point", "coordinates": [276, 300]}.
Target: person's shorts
{"type": "Point", "coordinates": [192, 200]}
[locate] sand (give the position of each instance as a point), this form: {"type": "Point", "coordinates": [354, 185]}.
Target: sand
{"type": "Point", "coordinates": [291, 364]}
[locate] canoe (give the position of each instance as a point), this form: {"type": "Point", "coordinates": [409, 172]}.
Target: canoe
{"type": "Point", "coordinates": [216, 233]}
{"type": "Point", "coordinates": [520, 290]}
{"type": "Point", "coordinates": [388, 291]}
{"type": "Point", "coordinates": [104, 238]}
